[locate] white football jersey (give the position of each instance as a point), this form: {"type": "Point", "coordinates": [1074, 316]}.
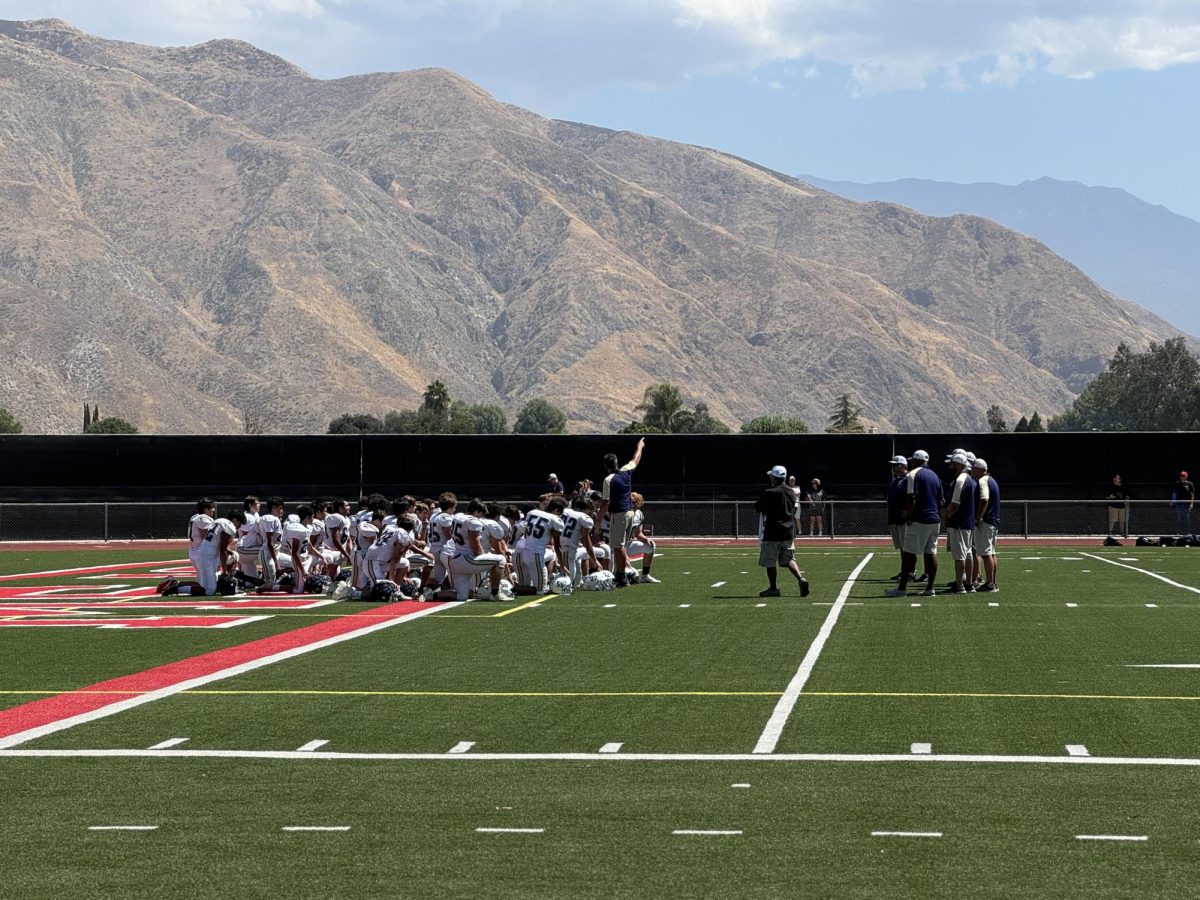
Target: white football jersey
{"type": "Point", "coordinates": [211, 545]}
{"type": "Point", "coordinates": [335, 522]}
{"type": "Point", "coordinates": [493, 532]}
{"type": "Point", "coordinates": [296, 531]}
{"type": "Point", "coordinates": [464, 525]}
{"type": "Point", "coordinates": [539, 527]}
{"type": "Point", "coordinates": [249, 537]}
{"type": "Point", "coordinates": [389, 538]}
{"type": "Point", "coordinates": [271, 529]}
{"type": "Point", "coordinates": [198, 527]}
{"type": "Point", "coordinates": [575, 523]}
{"type": "Point", "coordinates": [441, 529]}
{"type": "Point", "coordinates": [364, 535]}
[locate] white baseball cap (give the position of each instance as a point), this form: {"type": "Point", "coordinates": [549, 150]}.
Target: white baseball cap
{"type": "Point", "coordinates": [957, 451]}
{"type": "Point", "coordinates": [921, 455]}
{"type": "Point", "coordinates": [899, 460]}
{"type": "Point", "coordinates": [980, 463]}
{"type": "Point", "coordinates": [778, 472]}
{"type": "Point", "coordinates": [959, 458]}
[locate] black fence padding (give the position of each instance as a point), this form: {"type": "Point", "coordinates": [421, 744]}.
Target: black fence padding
{"type": "Point", "coordinates": [1073, 465]}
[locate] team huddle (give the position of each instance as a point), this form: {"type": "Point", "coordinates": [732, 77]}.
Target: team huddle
{"type": "Point", "coordinates": [410, 548]}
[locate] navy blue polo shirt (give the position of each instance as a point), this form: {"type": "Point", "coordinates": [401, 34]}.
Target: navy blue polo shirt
{"type": "Point", "coordinates": [926, 491]}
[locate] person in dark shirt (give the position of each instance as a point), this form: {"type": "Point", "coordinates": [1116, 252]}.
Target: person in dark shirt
{"type": "Point", "coordinates": [1118, 508]}
{"type": "Point", "coordinates": [617, 503]}
{"type": "Point", "coordinates": [554, 486]}
{"type": "Point", "coordinates": [1183, 498]}
{"type": "Point", "coordinates": [922, 522]}
{"type": "Point", "coordinates": [897, 507]}
{"type": "Point", "coordinates": [777, 532]}
{"type": "Point", "coordinates": [960, 523]}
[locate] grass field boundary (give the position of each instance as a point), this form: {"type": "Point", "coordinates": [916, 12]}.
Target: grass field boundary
{"type": "Point", "coordinates": [1162, 578]}
{"type": "Point", "coordinates": [39, 718]}
{"type": "Point", "coordinates": [93, 570]}
{"type": "Point", "coordinates": [783, 710]}
{"type": "Point", "coordinates": [870, 758]}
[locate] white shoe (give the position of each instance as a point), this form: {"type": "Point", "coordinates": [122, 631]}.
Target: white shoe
{"type": "Point", "coordinates": [342, 591]}
{"type": "Point", "coordinates": [650, 579]}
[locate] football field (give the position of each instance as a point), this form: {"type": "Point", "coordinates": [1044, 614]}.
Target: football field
{"type": "Point", "coordinates": [681, 739]}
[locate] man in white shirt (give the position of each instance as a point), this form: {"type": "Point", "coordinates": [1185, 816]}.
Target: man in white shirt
{"type": "Point", "coordinates": [542, 530]}
{"type": "Point", "coordinates": [198, 526]}
{"type": "Point", "coordinates": [470, 559]}
{"type": "Point", "coordinates": [270, 529]}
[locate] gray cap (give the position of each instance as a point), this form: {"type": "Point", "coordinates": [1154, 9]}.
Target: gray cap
{"type": "Point", "coordinates": [899, 460]}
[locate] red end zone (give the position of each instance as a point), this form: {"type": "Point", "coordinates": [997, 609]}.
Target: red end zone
{"type": "Point", "coordinates": [41, 717]}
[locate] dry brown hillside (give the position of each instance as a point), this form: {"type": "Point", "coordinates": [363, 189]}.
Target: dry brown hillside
{"type": "Point", "coordinates": [191, 233]}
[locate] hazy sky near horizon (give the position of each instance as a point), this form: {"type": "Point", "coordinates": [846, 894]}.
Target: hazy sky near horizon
{"type": "Point", "coordinates": [1100, 91]}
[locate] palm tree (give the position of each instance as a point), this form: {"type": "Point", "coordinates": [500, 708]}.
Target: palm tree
{"type": "Point", "coordinates": [436, 401]}
{"type": "Point", "coordinates": [662, 408]}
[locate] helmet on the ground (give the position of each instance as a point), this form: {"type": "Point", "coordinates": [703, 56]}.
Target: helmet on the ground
{"type": "Point", "coordinates": [384, 591]}
{"type": "Point", "coordinates": [226, 585]}
{"type": "Point", "coordinates": [631, 576]}
{"type": "Point", "coordinates": [599, 581]}
{"type": "Point", "coordinates": [317, 584]}
{"type": "Point", "coordinates": [561, 585]}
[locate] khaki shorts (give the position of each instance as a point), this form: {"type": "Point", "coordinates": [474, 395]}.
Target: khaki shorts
{"type": "Point", "coordinates": [921, 539]}
{"type": "Point", "coordinates": [958, 542]}
{"type": "Point", "coordinates": [775, 553]}
{"type": "Point", "coordinates": [985, 539]}
{"type": "Point", "coordinates": [897, 532]}
{"type": "Point", "coordinates": [621, 528]}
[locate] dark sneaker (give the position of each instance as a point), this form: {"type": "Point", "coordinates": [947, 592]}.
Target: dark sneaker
{"type": "Point", "coordinates": [955, 588]}
{"type": "Point", "coordinates": [895, 592]}
{"type": "Point", "coordinates": [770, 592]}
{"type": "Point", "coordinates": [970, 588]}
{"type": "Point", "coordinates": [987, 589]}
{"type": "Point", "coordinates": [167, 584]}
{"type": "Point", "coordinates": [804, 589]}
{"type": "Point", "coordinates": [922, 578]}
{"type": "Point", "coordinates": [620, 583]}
{"type": "Point", "coordinates": [929, 592]}
{"type": "Point", "coordinates": [896, 577]}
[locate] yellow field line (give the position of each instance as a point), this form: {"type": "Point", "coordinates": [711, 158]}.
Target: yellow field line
{"type": "Point", "coordinates": [509, 612]}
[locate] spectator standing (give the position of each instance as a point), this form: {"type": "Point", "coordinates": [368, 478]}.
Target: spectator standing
{"type": "Point", "coordinates": [554, 486]}
{"type": "Point", "coordinates": [799, 494]}
{"type": "Point", "coordinates": [777, 532]}
{"type": "Point", "coordinates": [816, 508]}
{"type": "Point", "coordinates": [960, 523]}
{"type": "Point", "coordinates": [1118, 508]}
{"type": "Point", "coordinates": [897, 498]}
{"type": "Point", "coordinates": [987, 525]}
{"type": "Point", "coordinates": [924, 498]}
{"type": "Point", "coordinates": [616, 502]}
{"type": "Point", "coordinates": [1183, 498]}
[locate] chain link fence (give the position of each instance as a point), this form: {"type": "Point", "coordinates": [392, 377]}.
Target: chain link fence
{"type": "Point", "coordinates": [715, 519]}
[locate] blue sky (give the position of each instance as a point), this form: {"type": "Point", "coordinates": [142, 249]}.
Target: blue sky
{"type": "Point", "coordinates": [1099, 91]}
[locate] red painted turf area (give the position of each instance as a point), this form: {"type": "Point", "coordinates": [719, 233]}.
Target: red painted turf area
{"type": "Point", "coordinates": [96, 696]}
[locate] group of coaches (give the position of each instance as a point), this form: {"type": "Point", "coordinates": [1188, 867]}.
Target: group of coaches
{"type": "Point", "coordinates": [917, 504]}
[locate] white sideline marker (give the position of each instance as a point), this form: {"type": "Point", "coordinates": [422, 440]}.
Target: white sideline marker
{"type": "Point", "coordinates": [315, 828]}
{"type": "Point", "coordinates": [1077, 750]}
{"type": "Point", "coordinates": [168, 743]}
{"type": "Point", "coordinates": [921, 749]}
{"type": "Point", "coordinates": [1161, 578]}
{"type": "Point", "coordinates": [461, 747]}
{"type": "Point", "coordinates": [732, 832]}
{"type": "Point", "coordinates": [609, 605]}
{"type": "Point", "coordinates": [741, 784]}
{"type": "Point", "coordinates": [993, 604]}
{"type": "Point", "coordinates": [1072, 605]}
{"type": "Point", "coordinates": [611, 748]}
{"type": "Point", "coordinates": [311, 746]}
{"type": "Point", "coordinates": [684, 605]}
{"type": "Point", "coordinates": [914, 605]}
{"type": "Point", "coordinates": [769, 738]}
{"type": "Point", "coordinates": [759, 605]}
{"type": "Point", "coordinates": [122, 828]}
{"type": "Point", "coordinates": [1151, 606]}
{"type": "Point", "coordinates": [719, 584]}
{"type": "Point", "coordinates": [511, 830]}
{"type": "Point", "coordinates": [1112, 837]}
{"type": "Point", "coordinates": [912, 834]}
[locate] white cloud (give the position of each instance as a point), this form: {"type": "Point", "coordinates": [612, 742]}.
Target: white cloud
{"type": "Point", "coordinates": [556, 47]}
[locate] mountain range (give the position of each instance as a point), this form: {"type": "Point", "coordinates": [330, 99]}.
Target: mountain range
{"type": "Point", "coordinates": [1137, 250]}
{"type": "Point", "coordinates": [208, 239]}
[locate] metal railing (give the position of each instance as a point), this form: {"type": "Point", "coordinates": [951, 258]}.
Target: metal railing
{"type": "Point", "coordinates": [665, 518]}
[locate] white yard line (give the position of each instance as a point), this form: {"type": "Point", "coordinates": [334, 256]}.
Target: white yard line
{"type": "Point", "coordinates": [169, 743]}
{"type": "Point", "coordinates": [708, 832]}
{"type": "Point", "coordinates": [1077, 750]}
{"type": "Point", "coordinates": [719, 584]}
{"type": "Point", "coordinates": [461, 747]}
{"type": "Point", "coordinates": [910, 758]}
{"type": "Point", "coordinates": [1112, 837]}
{"type": "Point", "coordinates": [122, 828]}
{"type": "Point", "coordinates": [311, 746]}
{"type": "Point", "coordinates": [921, 749]}
{"type": "Point", "coordinates": [740, 785]}
{"type": "Point", "coordinates": [1162, 578]}
{"type": "Point", "coordinates": [783, 709]}
{"type": "Point", "coordinates": [611, 748]}
{"type": "Point", "coordinates": [315, 828]}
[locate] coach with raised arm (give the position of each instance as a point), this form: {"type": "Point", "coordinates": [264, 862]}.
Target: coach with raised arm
{"type": "Point", "coordinates": [616, 501]}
